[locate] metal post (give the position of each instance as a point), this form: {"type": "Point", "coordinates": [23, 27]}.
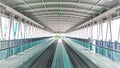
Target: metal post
{"type": "Point", "coordinates": [19, 28]}
{"type": "Point", "coordinates": [110, 22]}
{"type": "Point", "coordinates": [10, 28]}
{"type": "Point", "coordinates": [101, 21]}
{"type": "Point", "coordinates": [118, 34]}
{"type": "Point", "coordinates": [24, 29]}
{"type": "Point", "coordinates": [106, 31]}
{"type": "Point", "coordinates": [97, 30]}
{"type": "Point", "coordinates": [1, 35]}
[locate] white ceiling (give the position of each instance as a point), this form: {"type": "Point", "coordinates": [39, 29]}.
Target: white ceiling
{"type": "Point", "coordinates": [61, 15]}
{"type": "Point", "coordinates": [57, 25]}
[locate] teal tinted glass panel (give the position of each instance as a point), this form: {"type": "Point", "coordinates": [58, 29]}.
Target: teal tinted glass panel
{"type": "Point", "coordinates": [13, 48]}
{"type": "Point", "coordinates": [109, 53]}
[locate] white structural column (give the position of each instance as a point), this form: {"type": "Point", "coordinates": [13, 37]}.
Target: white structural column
{"type": "Point", "coordinates": [19, 28]}
{"type": "Point", "coordinates": [101, 28]}
{"type": "Point", "coordinates": [19, 14]}
{"type": "Point", "coordinates": [0, 28]}
{"type": "Point", "coordinates": [110, 22]}
{"type": "Point", "coordinates": [104, 15]}
{"type": "Point", "coordinates": [12, 27]}
{"type": "Point", "coordinates": [118, 39]}
{"type": "Point", "coordinates": [30, 30]}
{"type": "Point", "coordinates": [22, 32]}
{"type": "Point", "coordinates": [24, 29]}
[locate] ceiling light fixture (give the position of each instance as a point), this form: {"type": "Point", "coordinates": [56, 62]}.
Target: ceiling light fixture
{"type": "Point", "coordinates": [60, 13]}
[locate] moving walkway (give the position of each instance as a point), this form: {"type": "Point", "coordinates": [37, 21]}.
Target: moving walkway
{"type": "Point", "coordinates": [58, 53]}
{"type": "Point", "coordinates": [62, 57]}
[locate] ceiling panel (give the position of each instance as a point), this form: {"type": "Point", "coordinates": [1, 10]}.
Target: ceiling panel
{"type": "Point", "coordinates": [55, 5]}
{"type": "Point", "coordinates": [89, 1]}
{"type": "Point", "coordinates": [51, 0]}
{"type": "Point", "coordinates": [110, 3]}
{"type": "Point", "coordinates": [29, 1]}
{"type": "Point", "coordinates": [70, 0]}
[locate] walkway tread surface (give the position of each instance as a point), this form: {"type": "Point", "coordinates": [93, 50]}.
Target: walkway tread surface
{"type": "Point", "coordinates": [45, 59]}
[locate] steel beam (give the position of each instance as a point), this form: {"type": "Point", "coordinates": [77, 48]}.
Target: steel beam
{"type": "Point", "coordinates": [11, 10]}
{"type": "Point", "coordinates": [63, 3]}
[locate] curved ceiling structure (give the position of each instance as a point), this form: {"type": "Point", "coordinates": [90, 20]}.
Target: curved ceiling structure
{"type": "Point", "coordinates": [62, 3]}
{"type": "Point", "coordinates": [43, 13]}
{"type": "Point", "coordinates": [61, 15]}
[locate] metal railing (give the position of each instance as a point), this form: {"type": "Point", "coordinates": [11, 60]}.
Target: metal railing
{"type": "Point", "coordinates": [106, 48]}
{"type": "Point", "coordinates": [12, 47]}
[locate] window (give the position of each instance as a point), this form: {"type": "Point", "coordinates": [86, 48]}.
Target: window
{"type": "Point", "coordinates": [5, 28]}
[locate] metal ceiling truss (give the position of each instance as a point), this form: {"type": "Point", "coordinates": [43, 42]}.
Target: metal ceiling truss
{"type": "Point", "coordinates": [55, 15]}
{"type": "Point", "coordinates": [75, 13]}
{"type": "Point", "coordinates": [42, 13]}
{"type": "Point", "coordinates": [63, 3]}
{"type": "Point", "coordinates": [34, 12]}
{"type": "Point", "coordinates": [60, 19]}
{"type": "Point", "coordinates": [73, 10]}
{"type": "Point", "coordinates": [99, 1]}
{"type": "Point", "coordinates": [62, 8]}
{"type": "Point", "coordinates": [46, 9]}
{"type": "Point", "coordinates": [60, 15]}
{"type": "Point", "coordinates": [103, 15]}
